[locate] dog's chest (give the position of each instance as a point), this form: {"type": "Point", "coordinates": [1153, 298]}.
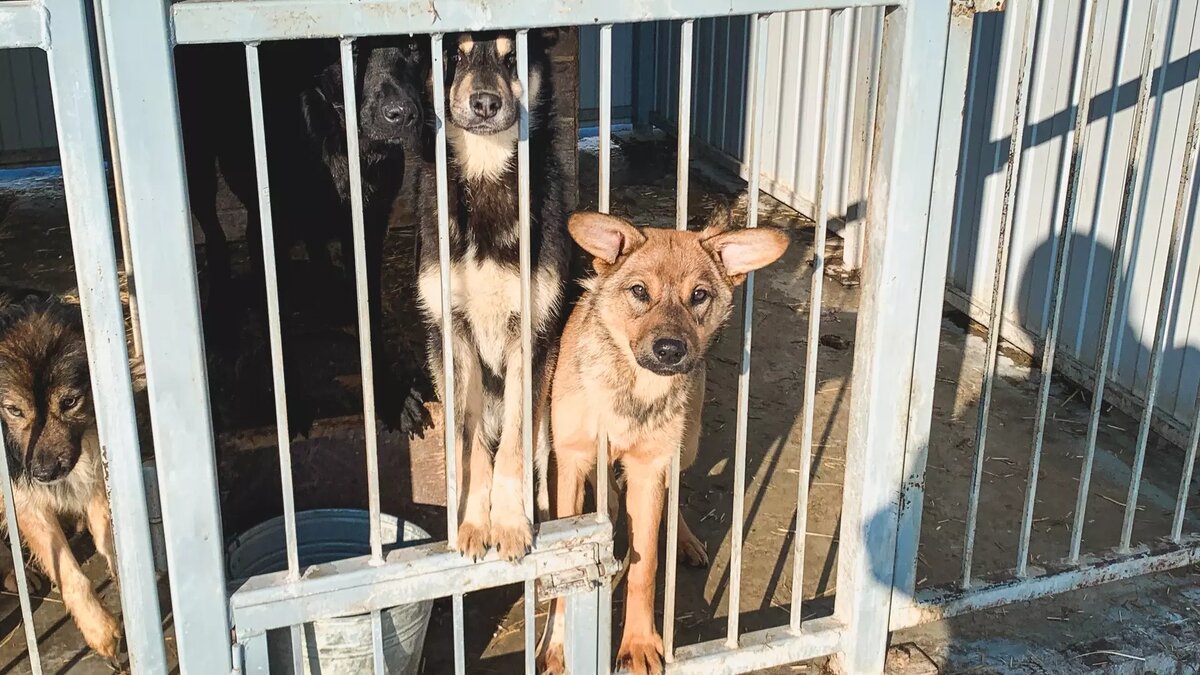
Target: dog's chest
{"type": "Point", "coordinates": [486, 296]}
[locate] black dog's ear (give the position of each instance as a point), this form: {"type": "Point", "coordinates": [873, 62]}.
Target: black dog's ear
{"type": "Point", "coordinates": [321, 104]}
{"type": "Point", "coordinates": [547, 37]}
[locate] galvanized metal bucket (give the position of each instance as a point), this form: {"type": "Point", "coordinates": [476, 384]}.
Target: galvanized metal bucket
{"type": "Point", "coordinates": [342, 645]}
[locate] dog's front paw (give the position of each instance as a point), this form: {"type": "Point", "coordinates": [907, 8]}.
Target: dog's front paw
{"type": "Point", "coordinates": [512, 532]}
{"type": "Point", "coordinates": [102, 632]}
{"type": "Point", "coordinates": [641, 654]}
{"type": "Point", "coordinates": [472, 540]}
{"type": "Point", "coordinates": [512, 542]}
{"type": "Point", "coordinates": [552, 660]}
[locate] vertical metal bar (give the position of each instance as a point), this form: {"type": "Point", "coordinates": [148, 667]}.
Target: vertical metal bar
{"type": "Point", "coordinates": [1166, 307]}
{"type": "Point", "coordinates": [270, 274]}
{"type": "Point", "coordinates": [685, 124]}
{"type": "Point", "coordinates": [82, 158]}
{"type": "Point", "coordinates": [366, 355]}
{"type": "Point", "coordinates": [460, 639]}
{"type": "Point", "coordinates": [114, 152]}
{"type": "Point", "coordinates": [450, 423]}
{"type": "Point", "coordinates": [743, 392]}
{"type": "Point", "coordinates": [1185, 480]}
{"type": "Point", "coordinates": [898, 271]}
{"type": "Point", "coordinates": [605, 116]}
{"type": "Point", "coordinates": [256, 656]}
{"type": "Point", "coordinates": [18, 557]}
{"type": "Point", "coordinates": [526, 330]}
{"type": "Point", "coordinates": [377, 662]}
{"type": "Point", "coordinates": [821, 210]}
{"type": "Point", "coordinates": [151, 155]}
{"type": "Point", "coordinates": [681, 209]}
{"type": "Point", "coordinates": [582, 652]}
{"type": "Point", "coordinates": [450, 426]}
{"type": "Point", "coordinates": [961, 52]}
{"type": "Point", "coordinates": [1059, 260]}
{"type": "Point", "coordinates": [999, 280]}
{"type": "Point", "coordinates": [1110, 305]}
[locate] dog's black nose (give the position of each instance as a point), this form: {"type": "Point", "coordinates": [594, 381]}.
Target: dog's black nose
{"type": "Point", "coordinates": [485, 105]}
{"type": "Point", "coordinates": [669, 351]}
{"type": "Point", "coordinates": [396, 112]}
{"type": "Point", "coordinates": [48, 471]}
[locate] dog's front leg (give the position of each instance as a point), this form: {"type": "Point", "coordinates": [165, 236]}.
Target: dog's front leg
{"type": "Point", "coordinates": [512, 531]}
{"type": "Point", "coordinates": [641, 645]}
{"type": "Point", "coordinates": [50, 549]}
{"type": "Point", "coordinates": [99, 522]}
{"type": "Point", "coordinates": [474, 456]}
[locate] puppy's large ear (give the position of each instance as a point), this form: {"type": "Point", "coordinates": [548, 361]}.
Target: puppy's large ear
{"type": "Point", "coordinates": [743, 251]}
{"type": "Point", "coordinates": [604, 236]}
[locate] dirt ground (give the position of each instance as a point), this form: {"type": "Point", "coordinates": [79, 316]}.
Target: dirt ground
{"type": "Point", "coordinates": [329, 465]}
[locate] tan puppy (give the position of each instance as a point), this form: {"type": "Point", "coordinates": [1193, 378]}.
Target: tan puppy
{"type": "Point", "coordinates": [631, 366]}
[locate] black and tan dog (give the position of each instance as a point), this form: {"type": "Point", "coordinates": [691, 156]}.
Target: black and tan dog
{"type": "Point", "coordinates": [53, 452]}
{"type": "Point", "coordinates": [631, 366]}
{"type": "Point", "coordinates": [483, 99]}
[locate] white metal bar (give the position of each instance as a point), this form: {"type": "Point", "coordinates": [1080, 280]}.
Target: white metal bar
{"type": "Point", "coordinates": [379, 665]}
{"type": "Point", "coordinates": [1158, 11]}
{"type": "Point", "coordinates": [821, 210]}
{"type": "Point", "coordinates": [1185, 479]}
{"type": "Point", "coordinates": [526, 261]}
{"type": "Point", "coordinates": [582, 652]}
{"type": "Point", "coordinates": [450, 420]}
{"type": "Point", "coordinates": [18, 560]}
{"type": "Point", "coordinates": [261, 20]}
{"type": "Point", "coordinates": [114, 151]}
{"type": "Point", "coordinates": [1172, 278]}
{"type": "Point", "coordinates": [605, 123]}
{"type": "Point", "coordinates": [366, 354]}
{"type": "Point", "coordinates": [256, 656]}
{"type": "Point", "coordinates": [283, 437]}
{"type": "Point", "coordinates": [1012, 178]}
{"type": "Point", "coordinates": [460, 638]}
{"type": "Point", "coordinates": [270, 275]}
{"type": "Point", "coordinates": [896, 277]}
{"type": "Point", "coordinates": [82, 157]}
{"type": "Point", "coordinates": [412, 574]}
{"type": "Point", "coordinates": [271, 279]}
{"type": "Point", "coordinates": [683, 144]}
{"type": "Point", "coordinates": [1060, 259]}
{"type": "Point", "coordinates": [742, 413]}
{"type": "Point", "coordinates": [937, 604]}
{"type": "Point", "coordinates": [22, 24]}
{"type": "Point", "coordinates": [942, 215]}
{"type": "Point", "coordinates": [761, 649]}
{"type": "Point", "coordinates": [151, 155]}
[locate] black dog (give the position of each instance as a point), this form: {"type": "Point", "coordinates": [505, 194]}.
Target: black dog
{"type": "Point", "coordinates": [308, 163]}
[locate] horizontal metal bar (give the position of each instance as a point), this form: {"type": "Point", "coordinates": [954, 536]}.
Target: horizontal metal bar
{"type": "Point", "coordinates": [760, 649]}
{"type": "Point", "coordinates": [358, 586]}
{"type": "Point", "coordinates": [22, 24]}
{"type": "Point", "coordinates": [256, 20]}
{"type": "Point", "coordinates": [937, 604]}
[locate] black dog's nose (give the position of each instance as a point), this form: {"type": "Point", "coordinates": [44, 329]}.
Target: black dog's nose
{"type": "Point", "coordinates": [485, 105]}
{"type": "Point", "coordinates": [396, 112]}
{"type": "Point", "coordinates": [669, 351]}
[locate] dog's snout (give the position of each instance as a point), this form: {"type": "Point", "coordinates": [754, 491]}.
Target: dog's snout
{"type": "Point", "coordinates": [669, 351]}
{"type": "Point", "coordinates": [399, 112]}
{"type": "Point", "coordinates": [48, 469]}
{"type": "Point", "coordinates": [485, 104]}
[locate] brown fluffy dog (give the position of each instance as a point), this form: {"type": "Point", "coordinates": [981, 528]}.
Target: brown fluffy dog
{"type": "Point", "coordinates": [631, 366]}
{"type": "Point", "coordinates": [53, 452]}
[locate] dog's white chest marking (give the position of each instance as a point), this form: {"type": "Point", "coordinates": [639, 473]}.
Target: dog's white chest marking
{"type": "Point", "coordinates": [488, 294]}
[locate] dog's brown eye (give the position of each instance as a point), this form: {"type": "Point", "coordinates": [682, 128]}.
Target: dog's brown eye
{"type": "Point", "coordinates": [13, 411]}
{"type": "Point", "coordinates": [511, 60]}
{"type": "Point", "coordinates": [639, 292]}
{"type": "Point", "coordinates": [69, 402]}
{"type": "Point", "coordinates": [699, 295]}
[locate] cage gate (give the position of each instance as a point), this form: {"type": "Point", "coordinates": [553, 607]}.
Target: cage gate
{"type": "Point", "coordinates": [221, 629]}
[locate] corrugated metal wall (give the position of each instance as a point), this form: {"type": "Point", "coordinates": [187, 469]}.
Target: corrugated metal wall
{"type": "Point", "coordinates": [26, 114]}
{"type": "Point", "coordinates": [1121, 28]}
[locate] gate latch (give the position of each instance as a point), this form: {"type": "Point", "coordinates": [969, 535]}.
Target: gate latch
{"type": "Point", "coordinates": [578, 579]}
